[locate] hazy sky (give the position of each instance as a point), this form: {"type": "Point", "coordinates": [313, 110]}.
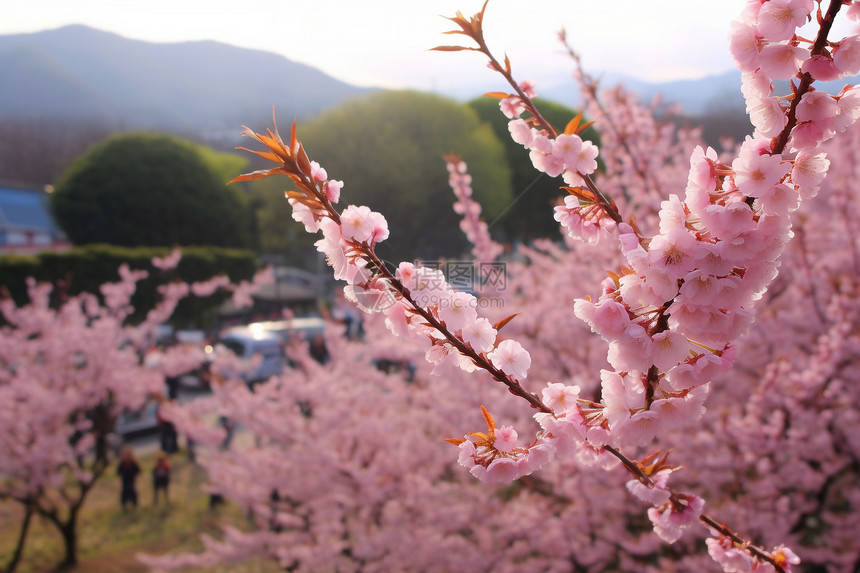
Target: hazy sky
{"type": "Point", "coordinates": [386, 42]}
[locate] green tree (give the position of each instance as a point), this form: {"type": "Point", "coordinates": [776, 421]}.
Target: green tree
{"type": "Point", "coordinates": [531, 215]}
{"type": "Point", "coordinates": [145, 189]}
{"type": "Point", "coordinates": [388, 148]}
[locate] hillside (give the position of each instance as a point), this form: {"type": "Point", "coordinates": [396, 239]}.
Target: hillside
{"type": "Point", "coordinates": [81, 73]}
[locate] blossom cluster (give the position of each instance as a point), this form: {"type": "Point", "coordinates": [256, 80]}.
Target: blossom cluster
{"type": "Point", "coordinates": [766, 47]}
{"type": "Point", "coordinates": [686, 293]}
{"type": "Point", "coordinates": [565, 154]}
{"type": "Point", "coordinates": [671, 315]}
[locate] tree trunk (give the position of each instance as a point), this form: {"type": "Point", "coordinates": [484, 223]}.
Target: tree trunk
{"type": "Point", "coordinates": [22, 538]}
{"type": "Point", "coordinates": [69, 532]}
{"type": "Point", "coordinates": [68, 529]}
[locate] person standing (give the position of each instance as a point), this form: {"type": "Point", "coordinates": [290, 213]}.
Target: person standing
{"type": "Point", "coordinates": [127, 470]}
{"type": "Point", "coordinates": [167, 433]}
{"type": "Point", "coordinates": [160, 477]}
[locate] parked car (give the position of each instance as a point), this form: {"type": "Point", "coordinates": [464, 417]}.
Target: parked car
{"type": "Point", "coordinates": [248, 341]}
{"type": "Point", "coordinates": [134, 423]}
{"type": "Point", "coordinates": [307, 327]}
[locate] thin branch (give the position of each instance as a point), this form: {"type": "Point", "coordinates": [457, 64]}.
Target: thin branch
{"type": "Point", "coordinates": [779, 143]}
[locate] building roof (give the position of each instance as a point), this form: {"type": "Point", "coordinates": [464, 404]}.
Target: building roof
{"type": "Point", "coordinates": [25, 209]}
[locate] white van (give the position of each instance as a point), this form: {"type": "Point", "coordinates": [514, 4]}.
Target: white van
{"type": "Point", "coordinates": [246, 341]}
{"type": "Point", "coordinates": [308, 327]}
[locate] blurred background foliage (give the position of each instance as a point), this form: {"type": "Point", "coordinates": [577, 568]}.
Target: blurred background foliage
{"type": "Point", "coordinates": [388, 148]}
{"type": "Point", "coordinates": [138, 189]}
{"type": "Point", "coordinates": [151, 189]}
{"type": "Point", "coordinates": [84, 269]}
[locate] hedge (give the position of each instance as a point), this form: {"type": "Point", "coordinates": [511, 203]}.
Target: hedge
{"type": "Point", "coordinates": [83, 269]}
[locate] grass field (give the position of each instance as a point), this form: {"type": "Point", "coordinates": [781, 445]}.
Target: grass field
{"type": "Point", "coordinates": [110, 538]}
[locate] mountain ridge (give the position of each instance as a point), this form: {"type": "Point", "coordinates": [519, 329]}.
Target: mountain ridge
{"type": "Point", "coordinates": [82, 72]}
{"type": "Point", "coordinates": [209, 87]}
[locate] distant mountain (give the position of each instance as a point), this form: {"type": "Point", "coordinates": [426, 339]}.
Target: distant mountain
{"type": "Point", "coordinates": [708, 96]}
{"type": "Point", "coordinates": [81, 73]}
{"type": "Point", "coordinates": [721, 92]}
{"type": "Point", "coordinates": [717, 93]}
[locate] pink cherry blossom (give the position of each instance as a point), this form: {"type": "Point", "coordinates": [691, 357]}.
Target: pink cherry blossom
{"type": "Point", "coordinates": [480, 335]}
{"type": "Point", "coordinates": [810, 134]}
{"type": "Point", "coordinates": [330, 246]}
{"type": "Point", "coordinates": [506, 439]}
{"type": "Point", "coordinates": [669, 523]}
{"type": "Point", "coordinates": [169, 262]}
{"type": "Point", "coordinates": [816, 106]}
{"type": "Point", "coordinates": [755, 172]}
{"type": "Point", "coordinates": [744, 46]}
{"type": "Point", "coordinates": [567, 149]}
{"type": "Point", "coordinates": [731, 558]}
{"type": "Point", "coordinates": [778, 19]}
{"type": "Point", "coordinates": [846, 56]}
{"type": "Point", "coordinates": [584, 222]}
{"type": "Point", "coordinates": [511, 358]}
{"type": "Point", "coordinates": [781, 61]}
{"type": "Point", "coordinates": [655, 493]}
{"type": "Point", "coordinates": [332, 189]}
{"type": "Point", "coordinates": [821, 68]}
{"type": "Point", "coordinates": [512, 107]}
{"type": "Point", "coordinates": [559, 397]}
{"type": "Point", "coordinates": [587, 160]}
{"type": "Point", "coordinates": [304, 215]}
{"type": "Point", "coordinates": [528, 87]}
{"type": "Point", "coordinates": [673, 253]}
{"type": "Point", "coordinates": [521, 132]}
{"type": "Point", "coordinates": [669, 349]}
{"type": "Point", "coordinates": [768, 116]}
{"type": "Point", "coordinates": [808, 172]}
{"type": "Point", "coordinates": [779, 199]}
{"type": "Point", "coordinates": [458, 310]}
{"type": "Point", "coordinates": [357, 224]}
{"type": "Point", "coordinates": [849, 109]}
{"type": "Point", "coordinates": [317, 172]}
{"type": "Point", "coordinates": [546, 162]}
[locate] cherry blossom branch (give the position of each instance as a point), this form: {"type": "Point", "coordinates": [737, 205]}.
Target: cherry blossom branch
{"type": "Point", "coordinates": [361, 255]}
{"type": "Point", "coordinates": [825, 22]}
{"type": "Point", "coordinates": [314, 195]}
{"type": "Point", "coordinates": [635, 467]}
{"type": "Point", "coordinates": [514, 387]}
{"type": "Point", "coordinates": [679, 503]}
{"type": "Point", "coordinates": [473, 28]}
{"type": "Point", "coordinates": [742, 169]}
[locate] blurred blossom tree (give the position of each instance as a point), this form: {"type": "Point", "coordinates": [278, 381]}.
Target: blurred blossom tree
{"type": "Point", "coordinates": [66, 374]}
